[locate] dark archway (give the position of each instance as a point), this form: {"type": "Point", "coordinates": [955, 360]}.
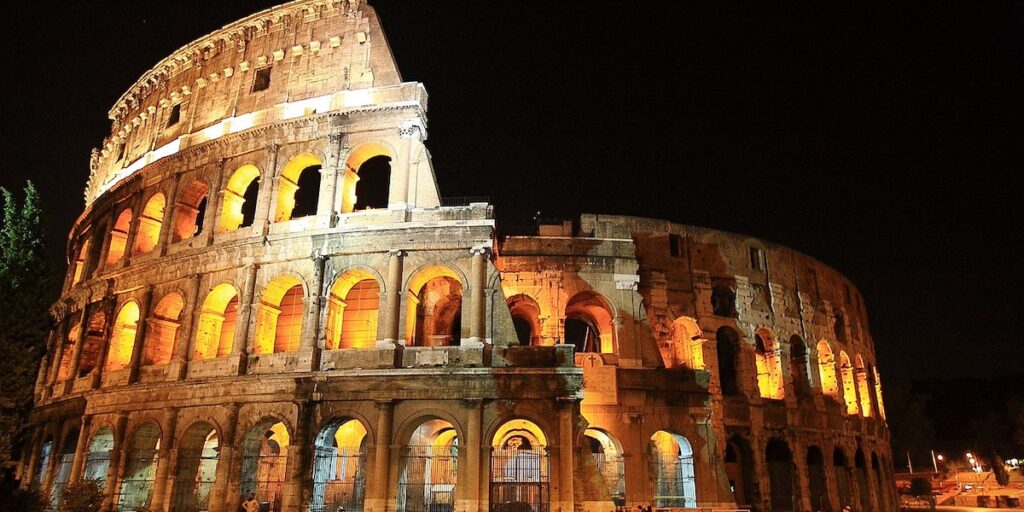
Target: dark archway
{"type": "Point", "coordinates": [728, 344]}
{"type": "Point", "coordinates": [739, 468]}
{"type": "Point", "coordinates": [817, 480]}
{"type": "Point", "coordinates": [842, 474]}
{"type": "Point", "coordinates": [780, 475]}
{"type": "Point", "coordinates": [372, 189]}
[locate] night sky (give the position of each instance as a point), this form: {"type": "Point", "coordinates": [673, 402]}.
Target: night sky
{"type": "Point", "coordinates": [884, 141]}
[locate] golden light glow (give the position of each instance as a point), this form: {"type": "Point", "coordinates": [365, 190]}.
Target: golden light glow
{"type": "Point", "coordinates": [434, 304]}
{"type": "Point", "coordinates": [186, 212]}
{"type": "Point", "coordinates": [234, 197]}
{"type": "Point", "coordinates": [878, 393]}
{"type": "Point", "coordinates": [769, 365]}
{"type": "Point", "coordinates": [216, 330]}
{"type": "Point", "coordinates": [849, 387]}
{"type": "Point", "coordinates": [827, 369]}
{"type": "Point", "coordinates": [519, 427]}
{"type": "Point", "coordinates": [686, 349]}
{"type": "Point", "coordinates": [288, 183]}
{"type": "Point", "coordinates": [83, 251]}
{"type": "Point", "coordinates": [594, 310]}
{"type": "Point", "coordinates": [122, 339]}
{"type": "Point", "coordinates": [119, 237]}
{"type": "Point", "coordinates": [147, 235]}
{"type": "Point", "coordinates": [162, 331]}
{"type": "Point", "coordinates": [861, 375]}
{"type": "Point", "coordinates": [526, 319]}
{"type": "Point", "coordinates": [353, 311]}
{"type": "Point", "coordinates": [66, 357]}
{"type": "Point", "coordinates": [350, 433]}
{"type": "Point", "coordinates": [279, 316]}
{"type": "Point", "coordinates": [356, 158]}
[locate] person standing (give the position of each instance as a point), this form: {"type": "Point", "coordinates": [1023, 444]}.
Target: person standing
{"type": "Point", "coordinates": [251, 504]}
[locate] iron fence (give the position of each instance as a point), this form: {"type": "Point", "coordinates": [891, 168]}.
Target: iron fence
{"type": "Point", "coordinates": [427, 483]}
{"type": "Point", "coordinates": [519, 480]}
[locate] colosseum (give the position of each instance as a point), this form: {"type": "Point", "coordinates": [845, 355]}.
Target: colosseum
{"type": "Point", "coordinates": [268, 295]}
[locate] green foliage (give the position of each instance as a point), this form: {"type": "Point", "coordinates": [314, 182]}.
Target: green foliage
{"type": "Point", "coordinates": [83, 496]}
{"type": "Point", "coordinates": [920, 486]}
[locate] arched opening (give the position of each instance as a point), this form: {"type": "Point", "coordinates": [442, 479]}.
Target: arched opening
{"type": "Point", "coordinates": [97, 460]}
{"type": "Point", "coordinates": [264, 457]}
{"type": "Point", "coordinates": [64, 372]}
{"type": "Point", "coordinates": [881, 492]}
{"type": "Point", "coordinates": [279, 316]}
{"type": "Point", "coordinates": [780, 475]}
{"type": "Point", "coordinates": [739, 469]}
{"type": "Point", "coordinates": [95, 251]}
{"type": "Point", "coordinates": [298, 188]}
{"type": "Point", "coordinates": [339, 467]}
{"type": "Point", "coordinates": [840, 327]}
{"type": "Point", "coordinates": [428, 469]}
{"type": "Point", "coordinates": [798, 366]}
{"type": "Point", "coordinates": [864, 392]}
{"type": "Point", "coordinates": [435, 308]}
{"type": "Point", "coordinates": [119, 237]}
{"type": "Point", "coordinates": [140, 464]}
{"type": "Point", "coordinates": [608, 456]}
{"type": "Point", "coordinates": [727, 347]}
{"type": "Point", "coordinates": [215, 333]}
{"type": "Point", "coordinates": [65, 458]}
{"type": "Point", "coordinates": [122, 338]}
{"type": "Point", "coordinates": [45, 452]}
{"type": "Point", "coordinates": [79, 265]}
{"type": "Point", "coordinates": [588, 323]}
{"type": "Point", "coordinates": [239, 199]}
{"type": "Point", "coordinates": [525, 319]}
{"type": "Point", "coordinates": [817, 480]}
{"type": "Point", "coordinates": [367, 178]}
{"type": "Point", "coordinates": [849, 387]}
{"type": "Point", "coordinates": [687, 347]}
{"type": "Point", "coordinates": [190, 211]}
{"type": "Point", "coordinates": [353, 311]}
{"type": "Point", "coordinates": [672, 471]}
{"type": "Point", "coordinates": [842, 474]}
{"type": "Point", "coordinates": [519, 468]}
{"type": "Point", "coordinates": [769, 365]}
{"type": "Point", "coordinates": [865, 492]}
{"type": "Point", "coordinates": [150, 224]}
{"type": "Point", "coordinates": [93, 344]}
{"type": "Point", "coordinates": [196, 472]}
{"type": "Point", "coordinates": [878, 393]}
{"type": "Point", "coordinates": [827, 369]}
{"type": "Point", "coordinates": [723, 301]}
{"type": "Point", "coordinates": [162, 330]}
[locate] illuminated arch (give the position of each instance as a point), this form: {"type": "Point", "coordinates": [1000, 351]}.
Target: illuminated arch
{"type": "Point", "coordinates": [434, 312]}
{"type": "Point", "coordinates": [353, 311]}
{"type": "Point", "coordinates": [687, 347]}
{"type": "Point", "coordinates": [72, 337]}
{"type": "Point", "coordinates": [428, 467]}
{"type": "Point", "coordinates": [239, 199]}
{"type": "Point", "coordinates": [849, 386]}
{"type": "Point", "coordinates": [768, 360]}
{"type": "Point", "coordinates": [147, 235]}
{"type": "Point", "coordinates": [190, 211]}
{"type": "Point", "coordinates": [588, 323]}
{"type": "Point", "coordinates": [279, 316]}
{"type": "Point", "coordinates": [196, 473]}
{"type": "Point", "coordinates": [672, 471]}
{"type": "Point", "coordinates": [79, 265]}
{"type": "Point", "coordinates": [525, 318]}
{"type": "Point", "coordinates": [339, 465]}
{"type": "Point", "coordinates": [878, 393]}
{"type": "Point", "coordinates": [119, 237]}
{"type": "Point", "coordinates": [122, 338]}
{"type": "Point", "coordinates": [519, 464]}
{"type": "Point", "coordinates": [139, 474]}
{"type": "Point", "coordinates": [97, 459]}
{"type": "Point", "coordinates": [264, 458]}
{"type": "Point", "coordinates": [350, 189]}
{"type": "Point", "coordinates": [92, 345]}
{"type": "Point", "coordinates": [609, 457]}
{"type": "Point", "coordinates": [302, 172]}
{"type": "Point", "coordinates": [863, 391]}
{"type": "Point", "coordinates": [162, 330]}
{"type": "Point", "coordinates": [215, 333]}
{"type": "Point", "coordinates": [827, 369]}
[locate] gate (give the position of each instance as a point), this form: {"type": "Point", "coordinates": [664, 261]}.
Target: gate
{"type": "Point", "coordinates": [137, 483]}
{"type": "Point", "coordinates": [97, 464]}
{"type": "Point", "coordinates": [519, 480]}
{"type": "Point", "coordinates": [264, 475]}
{"type": "Point", "coordinates": [612, 469]}
{"type": "Point", "coordinates": [672, 481]}
{"type": "Point", "coordinates": [195, 479]}
{"type": "Point", "coordinates": [427, 483]}
{"type": "Point", "coordinates": [60, 478]}
{"type": "Point", "coordinates": [339, 479]}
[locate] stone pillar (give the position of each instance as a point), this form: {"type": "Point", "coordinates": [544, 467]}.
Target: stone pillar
{"type": "Point", "coordinates": [398, 198]}
{"type": "Point", "coordinates": [81, 450]}
{"type": "Point", "coordinates": [117, 455]}
{"type": "Point", "coordinates": [567, 411]}
{"type": "Point", "coordinates": [239, 346]}
{"type": "Point", "coordinates": [329, 176]}
{"type": "Point", "coordinates": [310, 334]}
{"type": "Point", "coordinates": [133, 230]}
{"type": "Point", "coordinates": [298, 484]}
{"type": "Point", "coordinates": [225, 494]}
{"type": "Point", "coordinates": [58, 336]}
{"type": "Point", "coordinates": [140, 334]}
{"type": "Point", "coordinates": [268, 187]}
{"type": "Point", "coordinates": [378, 488]}
{"type": "Point", "coordinates": [166, 462]}
{"type": "Point", "coordinates": [392, 311]}
{"type": "Point", "coordinates": [470, 484]}
{"type": "Point", "coordinates": [76, 351]}
{"type": "Point", "coordinates": [214, 204]}
{"type": "Point", "coordinates": [56, 451]}
{"type": "Point", "coordinates": [32, 468]}
{"type": "Point", "coordinates": [478, 306]}
{"type": "Point", "coordinates": [183, 347]}
{"type": "Point", "coordinates": [167, 224]}
{"type": "Point", "coordinates": [101, 359]}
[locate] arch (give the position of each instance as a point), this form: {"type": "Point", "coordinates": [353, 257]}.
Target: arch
{"type": "Point", "coordinates": [97, 459]}
{"type": "Point", "coordinates": [298, 187]}
{"type": "Point", "coordinates": [727, 348]}
{"type": "Point", "coordinates": [45, 453]}
{"type": "Point", "coordinates": [779, 460]}
{"type": "Point", "coordinates": [92, 345]}
{"type": "Point", "coordinates": [864, 490]}
{"type": "Point", "coordinates": [863, 391]}
{"type": "Point", "coordinates": [72, 337]}
{"type": "Point", "coordinates": [827, 369]}
{"type": "Point", "coordinates": [79, 266]}
{"type": "Point", "coordinates": [739, 468]}
{"type": "Point", "coordinates": [688, 344]}
{"type": "Point", "coordinates": [140, 465]}
{"type": "Point", "coordinates": [367, 177]}
{"type": "Point", "coordinates": [798, 366]}
{"type": "Point", "coordinates": [353, 310]}
{"type": "Point", "coordinates": [769, 365]}
{"type": "Point", "coordinates": [196, 473]}
{"type": "Point", "coordinates": [279, 316]}
{"type": "Point", "coordinates": [842, 476]}
{"type": "Point", "coordinates": [434, 314]}
{"type": "Point", "coordinates": [673, 484]}
{"type": "Point", "coordinates": [608, 455]}
{"type": "Point", "coordinates": [849, 387]}
{"type": "Point", "coordinates": [429, 467]}
{"type": "Point", "coordinates": [339, 466]}
{"type": "Point", "coordinates": [65, 457]}
{"type": "Point", "coordinates": [525, 318]}
{"type": "Point", "coordinates": [147, 235]}
{"type": "Point", "coordinates": [162, 330]}
{"type": "Point", "coordinates": [264, 458]}
{"type": "Point", "coordinates": [119, 237]}
{"type": "Point", "coordinates": [817, 481]}
{"type": "Point", "coordinates": [589, 323]}
{"type": "Point", "coordinates": [239, 199]}
{"type": "Point", "coordinates": [190, 211]}
{"type": "Point", "coordinates": [723, 301]}
{"type": "Point", "coordinates": [122, 337]}
{"type": "Point", "coordinates": [218, 318]}
{"type": "Point", "coordinates": [878, 393]}
{"type": "Point", "coordinates": [519, 466]}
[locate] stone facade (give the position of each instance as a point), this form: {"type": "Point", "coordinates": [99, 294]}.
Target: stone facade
{"type": "Point", "coordinates": [245, 312]}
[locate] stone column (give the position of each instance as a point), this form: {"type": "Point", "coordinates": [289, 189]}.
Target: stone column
{"type": "Point", "coordinates": [101, 359]}
{"type": "Point", "coordinates": [167, 224]}
{"type": "Point", "coordinates": [299, 468]}
{"type": "Point", "coordinates": [167, 460]}
{"type": "Point", "coordinates": [58, 337]}
{"type": "Point", "coordinates": [311, 306]}
{"type": "Point", "coordinates": [117, 455]}
{"type": "Point", "coordinates": [567, 408]}
{"type": "Point", "coordinates": [268, 188]}
{"type": "Point", "coordinates": [478, 306]}
{"type": "Point", "coordinates": [223, 496]}
{"type": "Point", "coordinates": [81, 450]}
{"type": "Point", "coordinates": [802, 482]}
{"type": "Point", "coordinates": [470, 483]}
{"type": "Point", "coordinates": [392, 311]}
{"type": "Point", "coordinates": [176, 370]}
{"type": "Point", "coordinates": [56, 451]}
{"type": "Point", "coordinates": [140, 335]}
{"type": "Point", "coordinates": [377, 489]}
{"type": "Point", "coordinates": [398, 198]}
{"type": "Point", "coordinates": [214, 204]}
{"type": "Point", "coordinates": [76, 351]}
{"type": "Point", "coordinates": [133, 230]}
{"type": "Point", "coordinates": [32, 468]}
{"type": "Point", "coordinates": [239, 346]}
{"type": "Point", "coordinates": [329, 176]}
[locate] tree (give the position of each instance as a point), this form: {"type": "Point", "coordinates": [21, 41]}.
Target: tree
{"type": "Point", "coordinates": [24, 317]}
{"type": "Point", "coordinates": [83, 496]}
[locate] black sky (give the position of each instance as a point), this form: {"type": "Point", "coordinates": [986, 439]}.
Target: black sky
{"type": "Point", "coordinates": [883, 140]}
